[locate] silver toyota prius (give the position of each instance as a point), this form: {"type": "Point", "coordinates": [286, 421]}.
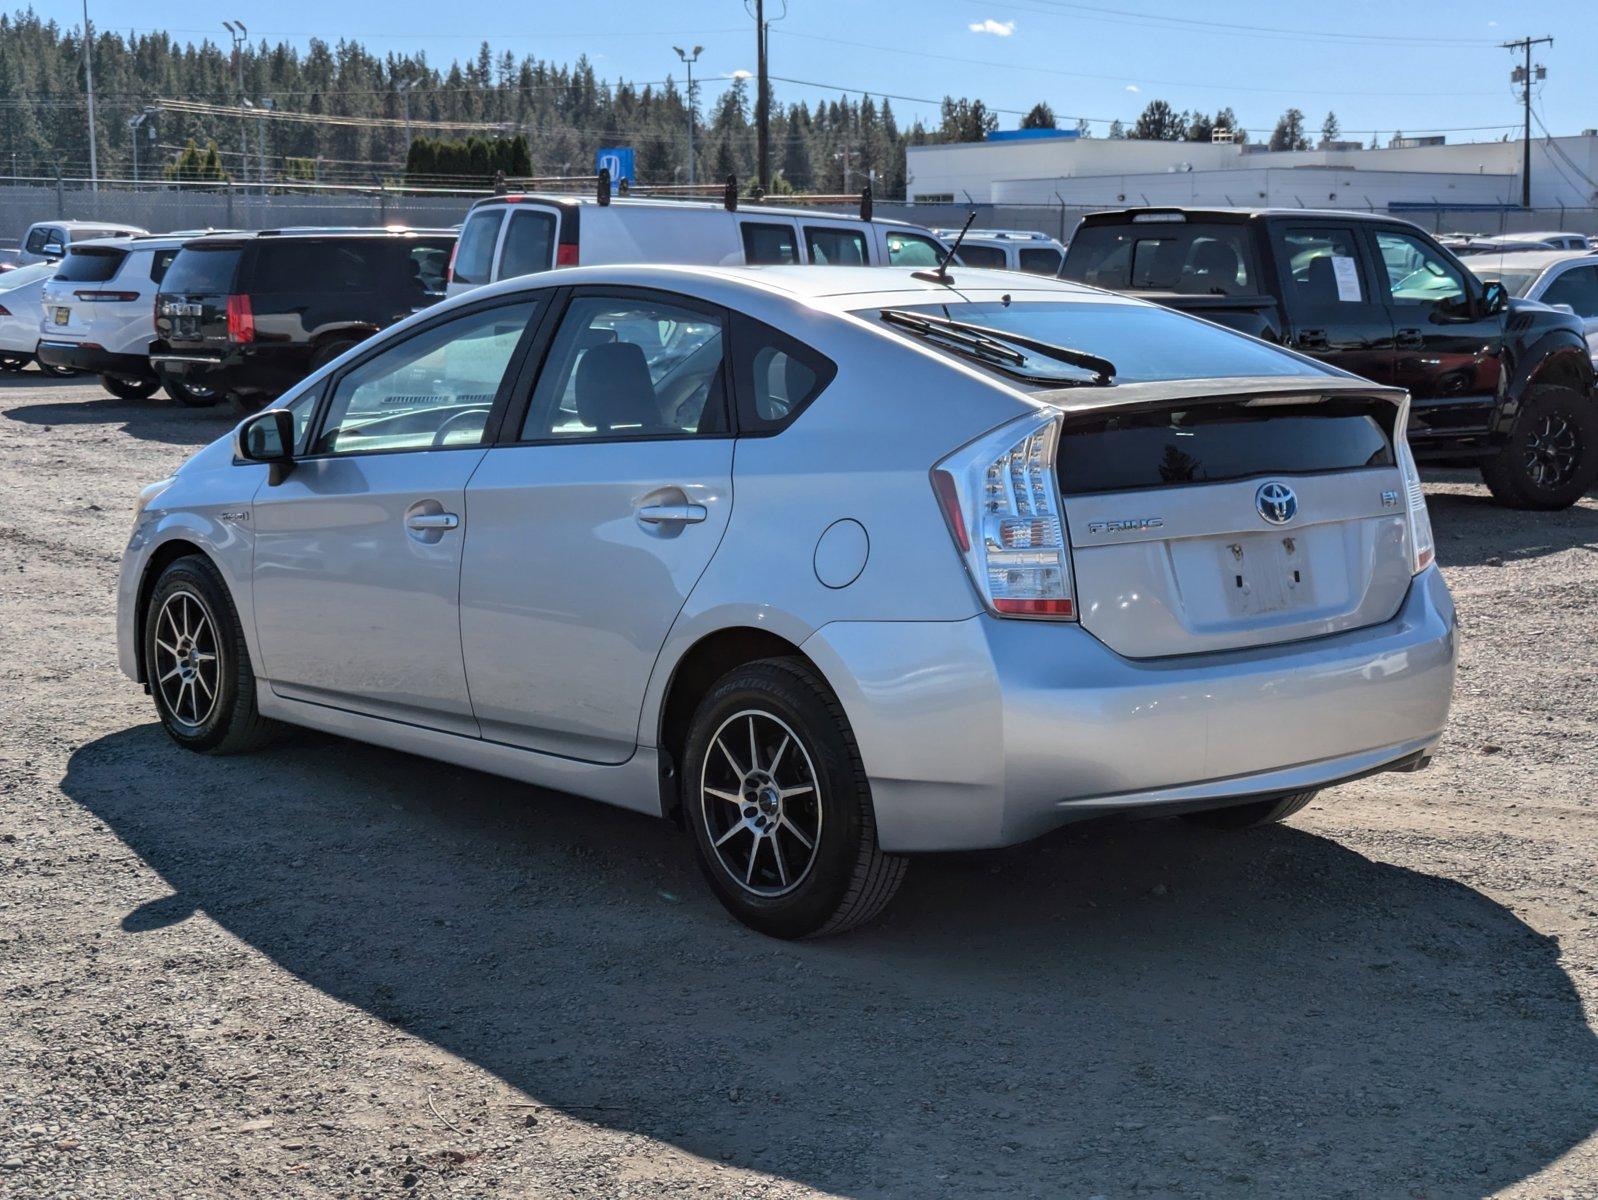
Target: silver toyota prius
{"type": "Point", "coordinates": [832, 566]}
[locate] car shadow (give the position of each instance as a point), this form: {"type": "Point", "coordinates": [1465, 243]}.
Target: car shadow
{"type": "Point", "coordinates": [1474, 530]}
{"type": "Point", "coordinates": [156, 419]}
{"type": "Point", "coordinates": [1117, 1008]}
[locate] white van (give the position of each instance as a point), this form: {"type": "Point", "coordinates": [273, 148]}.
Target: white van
{"type": "Point", "coordinates": [1008, 250]}
{"type": "Point", "coordinates": [506, 236]}
{"type": "Point", "coordinates": [47, 241]}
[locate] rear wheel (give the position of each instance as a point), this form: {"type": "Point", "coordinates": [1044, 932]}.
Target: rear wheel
{"type": "Point", "coordinates": [780, 808]}
{"type": "Point", "coordinates": [1253, 814]}
{"type": "Point", "coordinates": [1552, 455]}
{"type": "Point", "coordinates": [329, 352]}
{"type": "Point", "coordinates": [187, 394]}
{"type": "Point", "coordinates": [197, 664]}
{"type": "Point", "coordinates": [124, 388]}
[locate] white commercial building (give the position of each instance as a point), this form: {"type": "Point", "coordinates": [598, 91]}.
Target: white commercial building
{"type": "Point", "coordinates": [1099, 171]}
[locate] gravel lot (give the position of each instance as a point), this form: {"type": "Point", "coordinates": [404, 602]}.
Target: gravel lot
{"type": "Point", "coordinates": [331, 970]}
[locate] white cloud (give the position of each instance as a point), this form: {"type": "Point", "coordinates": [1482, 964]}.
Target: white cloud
{"type": "Point", "coordinates": [1132, 87]}
{"type": "Point", "coordinates": [740, 73]}
{"type": "Point", "coordinates": [996, 28]}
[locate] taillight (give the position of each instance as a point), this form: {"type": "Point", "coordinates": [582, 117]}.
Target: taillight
{"type": "Point", "coordinates": [1002, 504]}
{"type": "Point", "coordinates": [1422, 545]}
{"type": "Point", "coordinates": [240, 320]}
{"type": "Point", "coordinates": [107, 296]}
{"type": "Point", "coordinates": [453, 251]}
{"type": "Point", "coordinates": [566, 254]}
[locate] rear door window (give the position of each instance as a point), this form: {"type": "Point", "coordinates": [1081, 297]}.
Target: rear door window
{"type": "Point", "coordinates": [317, 266]}
{"type": "Point", "coordinates": [1577, 287]}
{"type": "Point", "coordinates": [474, 260]}
{"type": "Point", "coordinates": [1322, 265]}
{"type": "Point", "coordinates": [984, 257]}
{"type": "Point", "coordinates": [768, 243]}
{"type": "Point", "coordinates": [529, 243]}
{"type": "Point", "coordinates": [203, 269]}
{"type": "Point", "coordinates": [1043, 260]}
{"type": "Point", "coordinates": [90, 266]}
{"type": "Point", "coordinates": [834, 247]}
{"type": "Point", "coordinates": [912, 250]}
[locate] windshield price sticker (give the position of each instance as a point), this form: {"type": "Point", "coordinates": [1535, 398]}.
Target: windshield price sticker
{"type": "Point", "coordinates": [1347, 274]}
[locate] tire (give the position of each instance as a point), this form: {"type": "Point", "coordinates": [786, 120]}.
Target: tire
{"type": "Point", "coordinates": [12, 363]}
{"type": "Point", "coordinates": [1552, 455]}
{"type": "Point", "coordinates": [329, 352]}
{"type": "Point", "coordinates": [1253, 814]}
{"type": "Point", "coordinates": [129, 389]}
{"type": "Point", "coordinates": [192, 397]}
{"type": "Point", "coordinates": [765, 802]}
{"type": "Point", "coordinates": [190, 610]}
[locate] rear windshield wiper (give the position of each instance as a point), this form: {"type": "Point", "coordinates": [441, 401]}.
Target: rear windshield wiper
{"type": "Point", "coordinates": [999, 348]}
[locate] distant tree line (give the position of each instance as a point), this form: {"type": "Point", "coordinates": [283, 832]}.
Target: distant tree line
{"type": "Point", "coordinates": [476, 158]}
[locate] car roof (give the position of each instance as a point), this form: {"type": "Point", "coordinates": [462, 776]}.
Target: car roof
{"type": "Point", "coordinates": [1529, 260]}
{"type": "Point", "coordinates": [75, 223]}
{"type": "Point", "coordinates": [745, 208]}
{"type": "Point", "coordinates": [312, 233]}
{"type": "Point", "coordinates": [1239, 215]}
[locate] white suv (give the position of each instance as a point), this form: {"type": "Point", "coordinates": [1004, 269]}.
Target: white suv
{"type": "Point", "coordinates": [47, 241]}
{"type": "Point", "coordinates": [508, 236]}
{"type": "Point", "coordinates": [1008, 250]}
{"type": "Point", "coordinates": [99, 314]}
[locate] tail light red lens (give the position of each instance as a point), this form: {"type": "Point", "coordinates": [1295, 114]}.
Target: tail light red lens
{"type": "Point", "coordinates": [4, 311]}
{"type": "Point", "coordinates": [566, 255]}
{"type": "Point", "coordinates": [449, 275]}
{"type": "Point", "coordinates": [240, 320]}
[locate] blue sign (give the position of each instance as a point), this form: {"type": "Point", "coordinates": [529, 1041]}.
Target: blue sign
{"type": "Point", "coordinates": [618, 160]}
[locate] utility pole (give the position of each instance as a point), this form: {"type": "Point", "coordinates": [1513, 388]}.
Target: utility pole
{"type": "Point", "coordinates": [1525, 76]}
{"type": "Point", "coordinates": [239, 33]}
{"type": "Point", "coordinates": [135, 129]}
{"type": "Point", "coordinates": [762, 103]}
{"type": "Point", "coordinates": [689, 62]}
{"type": "Point", "coordinates": [404, 89]}
{"type": "Point", "coordinates": [88, 83]}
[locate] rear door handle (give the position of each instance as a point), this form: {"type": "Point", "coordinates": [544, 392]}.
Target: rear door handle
{"type": "Point", "coordinates": [1313, 339]}
{"type": "Point", "coordinates": [1411, 339]}
{"type": "Point", "coordinates": [432, 521]}
{"type": "Point", "coordinates": [672, 514]}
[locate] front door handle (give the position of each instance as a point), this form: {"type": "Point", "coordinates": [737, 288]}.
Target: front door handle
{"type": "Point", "coordinates": [672, 514]}
{"type": "Point", "coordinates": [432, 521]}
{"type": "Point", "coordinates": [1313, 339]}
{"type": "Point", "coordinates": [1411, 339]}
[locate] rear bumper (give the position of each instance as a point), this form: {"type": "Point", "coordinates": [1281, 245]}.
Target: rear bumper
{"type": "Point", "coordinates": [987, 732]}
{"type": "Point", "coordinates": [86, 356]}
{"type": "Point", "coordinates": [250, 371]}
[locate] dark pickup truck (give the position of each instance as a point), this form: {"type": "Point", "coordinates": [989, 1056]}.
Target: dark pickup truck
{"type": "Point", "coordinates": [1500, 383]}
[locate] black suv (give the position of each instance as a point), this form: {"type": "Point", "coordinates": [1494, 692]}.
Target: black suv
{"type": "Point", "coordinates": [1503, 384]}
{"type": "Point", "coordinates": [249, 315]}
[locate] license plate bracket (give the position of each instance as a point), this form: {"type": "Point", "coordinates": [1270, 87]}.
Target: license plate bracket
{"type": "Point", "coordinates": [1265, 574]}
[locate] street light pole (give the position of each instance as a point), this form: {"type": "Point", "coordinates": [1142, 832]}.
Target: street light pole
{"type": "Point", "coordinates": [689, 63]}
{"type": "Point", "coordinates": [88, 83]}
{"type": "Point", "coordinates": [239, 33]}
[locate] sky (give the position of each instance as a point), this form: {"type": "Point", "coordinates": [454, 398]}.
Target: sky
{"type": "Point", "coordinates": [1425, 66]}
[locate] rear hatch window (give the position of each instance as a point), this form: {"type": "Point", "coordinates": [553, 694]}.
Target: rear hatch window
{"type": "Point", "coordinates": [1194, 258]}
{"type": "Point", "coordinates": [1217, 443]}
{"type": "Point", "coordinates": [474, 258]}
{"type": "Point", "coordinates": [90, 265]}
{"type": "Point", "coordinates": [203, 270]}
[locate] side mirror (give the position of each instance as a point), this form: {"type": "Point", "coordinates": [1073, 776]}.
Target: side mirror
{"type": "Point", "coordinates": [53, 250]}
{"type": "Point", "coordinates": [1494, 298]}
{"type": "Point", "coordinates": [268, 437]}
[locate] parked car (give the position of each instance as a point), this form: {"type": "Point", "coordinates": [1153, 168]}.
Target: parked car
{"type": "Point", "coordinates": [247, 315]}
{"type": "Point", "coordinates": [1563, 279]}
{"type": "Point", "coordinates": [20, 299]}
{"type": "Point", "coordinates": [1496, 383]}
{"type": "Point", "coordinates": [832, 566]}
{"type": "Point", "coordinates": [99, 314]}
{"type": "Point", "coordinates": [1008, 250]}
{"type": "Point", "coordinates": [507, 236]}
{"type": "Point", "coordinates": [47, 241]}
{"type": "Point", "coordinates": [1509, 243]}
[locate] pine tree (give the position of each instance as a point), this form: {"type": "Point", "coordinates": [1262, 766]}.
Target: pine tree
{"type": "Point", "coordinates": [1041, 117]}
{"type": "Point", "coordinates": [1330, 131]}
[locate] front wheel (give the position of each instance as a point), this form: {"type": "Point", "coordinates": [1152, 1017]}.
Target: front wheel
{"type": "Point", "coordinates": [197, 664]}
{"type": "Point", "coordinates": [1253, 814]}
{"type": "Point", "coordinates": [1551, 458]}
{"type": "Point", "coordinates": [124, 388]}
{"type": "Point", "coordinates": [780, 808]}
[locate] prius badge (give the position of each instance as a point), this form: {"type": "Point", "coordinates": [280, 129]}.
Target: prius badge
{"type": "Point", "coordinates": [1276, 502]}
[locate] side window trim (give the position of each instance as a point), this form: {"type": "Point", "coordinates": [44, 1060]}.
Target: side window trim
{"type": "Point", "coordinates": [314, 428]}
{"type": "Point", "coordinates": [514, 417]}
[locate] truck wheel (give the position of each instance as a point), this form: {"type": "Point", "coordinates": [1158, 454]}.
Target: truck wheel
{"type": "Point", "coordinates": [1552, 455]}
{"type": "Point", "coordinates": [124, 388]}
{"type": "Point", "coordinates": [1253, 815]}
{"type": "Point", "coordinates": [780, 808]}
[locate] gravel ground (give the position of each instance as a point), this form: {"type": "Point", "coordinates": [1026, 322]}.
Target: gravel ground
{"type": "Point", "coordinates": [332, 970]}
